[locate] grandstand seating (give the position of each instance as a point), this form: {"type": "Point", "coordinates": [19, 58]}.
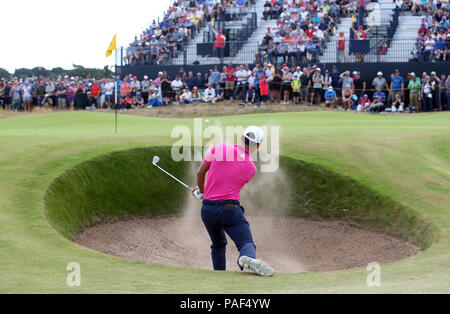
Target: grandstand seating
{"type": "Point", "coordinates": [390, 27]}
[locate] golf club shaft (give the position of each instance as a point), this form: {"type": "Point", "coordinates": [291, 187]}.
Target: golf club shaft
{"type": "Point", "coordinates": [183, 184]}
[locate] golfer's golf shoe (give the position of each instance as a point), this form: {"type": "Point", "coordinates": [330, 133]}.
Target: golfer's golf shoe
{"type": "Point", "coordinates": [257, 266]}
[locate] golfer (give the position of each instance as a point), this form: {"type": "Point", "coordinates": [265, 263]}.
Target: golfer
{"type": "Point", "coordinates": [229, 168]}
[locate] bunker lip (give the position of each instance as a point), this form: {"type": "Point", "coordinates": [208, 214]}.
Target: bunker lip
{"type": "Point", "coordinates": [353, 225]}
{"type": "Point", "coordinates": [289, 244]}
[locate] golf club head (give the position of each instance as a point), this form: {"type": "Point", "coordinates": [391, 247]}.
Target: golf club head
{"type": "Point", "coordinates": [155, 160]}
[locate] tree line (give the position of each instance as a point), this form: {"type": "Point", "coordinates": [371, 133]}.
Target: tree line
{"type": "Point", "coordinates": [78, 70]}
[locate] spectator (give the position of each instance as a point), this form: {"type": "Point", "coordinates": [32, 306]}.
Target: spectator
{"type": "Point", "coordinates": [346, 80]}
{"type": "Point", "coordinates": [242, 76]}
{"type": "Point", "coordinates": [263, 90]}
{"type": "Point", "coordinates": [397, 104]}
{"type": "Point", "coordinates": [275, 86]}
{"type": "Point", "coordinates": [286, 85]}
{"type": "Point", "coordinates": [191, 81]}
{"type": "Point", "coordinates": [327, 81]}
{"type": "Point", "coordinates": [177, 86]}
{"type": "Point", "coordinates": [154, 99]}
{"type": "Point", "coordinates": [347, 98]}
{"type": "Point", "coordinates": [435, 80]}
{"type": "Point", "coordinates": [341, 47]}
{"type": "Point", "coordinates": [306, 81]}
{"type": "Point", "coordinates": [185, 97]}
{"type": "Point", "coordinates": [360, 85]}
{"type": "Point", "coordinates": [377, 104]}
{"type": "Point", "coordinates": [210, 94]}
{"type": "Point", "coordinates": [220, 93]}
{"type": "Point", "coordinates": [61, 95]}
{"type": "Point", "coordinates": [331, 98]}
{"type": "Point", "coordinates": [296, 85]}
{"type": "Point", "coordinates": [196, 95]}
{"type": "Point", "coordinates": [415, 87]}
{"type": "Point", "coordinates": [379, 82]}
{"type": "Point", "coordinates": [95, 95]}
{"type": "Point", "coordinates": [447, 90]}
{"type": "Point", "coordinates": [145, 85]}
{"type": "Point", "coordinates": [166, 88]}
{"type": "Point", "coordinates": [397, 85]}
{"type": "Point", "coordinates": [220, 44]}
{"type": "Point", "coordinates": [138, 101]}
{"type": "Point", "coordinates": [316, 94]}
{"type": "Point", "coordinates": [267, 10]}
{"type": "Point", "coordinates": [428, 88]}
{"type": "Point", "coordinates": [230, 74]}
{"type": "Point", "coordinates": [365, 103]}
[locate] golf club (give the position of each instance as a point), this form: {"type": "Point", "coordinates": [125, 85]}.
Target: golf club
{"type": "Point", "coordinates": [197, 193]}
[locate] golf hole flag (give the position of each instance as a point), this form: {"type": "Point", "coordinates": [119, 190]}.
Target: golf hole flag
{"type": "Point", "coordinates": [112, 47]}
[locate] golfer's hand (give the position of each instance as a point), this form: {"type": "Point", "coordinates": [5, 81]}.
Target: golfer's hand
{"type": "Point", "coordinates": [197, 194]}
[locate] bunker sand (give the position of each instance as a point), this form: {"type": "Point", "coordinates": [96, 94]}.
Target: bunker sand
{"type": "Point", "coordinates": [288, 244]}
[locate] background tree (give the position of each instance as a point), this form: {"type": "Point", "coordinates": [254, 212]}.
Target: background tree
{"type": "Point", "coordinates": [4, 73]}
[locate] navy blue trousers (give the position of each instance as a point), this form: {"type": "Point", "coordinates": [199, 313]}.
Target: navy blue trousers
{"type": "Point", "coordinates": [218, 219]}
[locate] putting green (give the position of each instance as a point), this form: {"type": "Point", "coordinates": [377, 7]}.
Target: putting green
{"type": "Point", "coordinates": [403, 159]}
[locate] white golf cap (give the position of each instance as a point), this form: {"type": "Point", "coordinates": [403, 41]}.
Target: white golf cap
{"type": "Point", "coordinates": [254, 134]}
{"type": "Point", "coordinates": [145, 77]}
{"type": "Point", "coordinates": [330, 88]}
{"type": "Point", "coordinates": [380, 73]}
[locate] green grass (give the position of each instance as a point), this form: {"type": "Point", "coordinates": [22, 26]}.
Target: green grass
{"type": "Point", "coordinates": [401, 161]}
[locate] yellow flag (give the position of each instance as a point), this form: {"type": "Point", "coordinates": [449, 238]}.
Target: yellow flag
{"type": "Point", "coordinates": [112, 47]}
{"type": "Point", "coordinates": [212, 22]}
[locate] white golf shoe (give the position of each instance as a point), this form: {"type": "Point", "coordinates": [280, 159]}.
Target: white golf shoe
{"type": "Point", "coordinates": [257, 266]}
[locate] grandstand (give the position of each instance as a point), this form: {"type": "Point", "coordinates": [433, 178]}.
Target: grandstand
{"type": "Point", "coordinates": [186, 37]}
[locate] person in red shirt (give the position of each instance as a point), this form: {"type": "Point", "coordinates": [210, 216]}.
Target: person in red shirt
{"type": "Point", "coordinates": [220, 44]}
{"type": "Point", "coordinates": [310, 31]}
{"type": "Point", "coordinates": [423, 29]}
{"type": "Point", "coordinates": [263, 90]}
{"type": "Point", "coordinates": [125, 89]}
{"type": "Point", "coordinates": [341, 46]}
{"type": "Point", "coordinates": [360, 34]}
{"type": "Point", "coordinates": [230, 77]}
{"type": "Point", "coordinates": [95, 93]}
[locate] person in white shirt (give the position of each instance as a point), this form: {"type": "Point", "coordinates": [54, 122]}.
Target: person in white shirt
{"type": "Point", "coordinates": [210, 94]}
{"type": "Point", "coordinates": [268, 71]}
{"type": "Point", "coordinates": [251, 92]}
{"type": "Point", "coordinates": [186, 97]}
{"type": "Point", "coordinates": [176, 86]}
{"type": "Point", "coordinates": [241, 84]}
{"type": "Point", "coordinates": [109, 88]}
{"type": "Point", "coordinates": [298, 72]}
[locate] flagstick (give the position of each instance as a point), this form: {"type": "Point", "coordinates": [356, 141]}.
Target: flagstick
{"type": "Point", "coordinates": [115, 89]}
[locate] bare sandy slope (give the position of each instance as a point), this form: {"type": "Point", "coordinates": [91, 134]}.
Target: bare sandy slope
{"type": "Point", "coordinates": [289, 244]}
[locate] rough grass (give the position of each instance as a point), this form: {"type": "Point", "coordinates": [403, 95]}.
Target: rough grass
{"type": "Point", "coordinates": [321, 193]}
{"type": "Point", "coordinates": [224, 108]}
{"type": "Point", "coordinates": [114, 186]}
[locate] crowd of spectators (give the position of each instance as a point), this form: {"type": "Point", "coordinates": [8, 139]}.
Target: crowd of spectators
{"type": "Point", "coordinates": [59, 93]}
{"type": "Point", "coordinates": [302, 29]}
{"type": "Point", "coordinates": [433, 41]}
{"type": "Point", "coordinates": [249, 86]}
{"type": "Point", "coordinates": [164, 39]}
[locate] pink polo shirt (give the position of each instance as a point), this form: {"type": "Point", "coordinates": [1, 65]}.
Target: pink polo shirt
{"type": "Point", "coordinates": [231, 167]}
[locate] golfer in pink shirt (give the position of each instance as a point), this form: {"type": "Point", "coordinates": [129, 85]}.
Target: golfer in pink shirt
{"type": "Point", "coordinates": [229, 169]}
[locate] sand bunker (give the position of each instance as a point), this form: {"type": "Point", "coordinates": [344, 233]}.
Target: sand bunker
{"type": "Point", "coordinates": [290, 245]}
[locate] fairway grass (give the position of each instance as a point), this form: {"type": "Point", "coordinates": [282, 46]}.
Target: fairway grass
{"type": "Point", "coordinates": [403, 158]}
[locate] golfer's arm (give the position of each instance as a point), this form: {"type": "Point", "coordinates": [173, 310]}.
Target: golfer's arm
{"type": "Point", "coordinates": [201, 176]}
